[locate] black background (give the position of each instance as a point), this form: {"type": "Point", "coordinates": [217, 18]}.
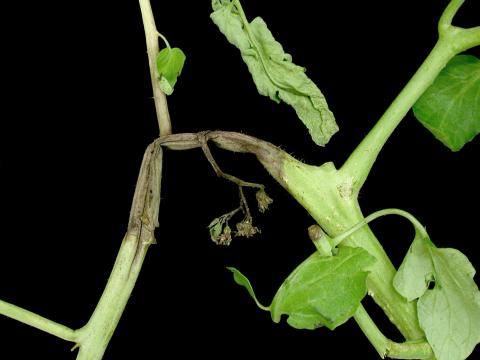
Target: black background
{"type": "Point", "coordinates": [77, 115]}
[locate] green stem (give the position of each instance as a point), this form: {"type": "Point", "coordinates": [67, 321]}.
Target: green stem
{"type": "Point", "coordinates": [452, 40]}
{"type": "Point", "coordinates": [446, 19]}
{"type": "Point", "coordinates": [469, 38]}
{"type": "Point", "coordinates": [327, 196]}
{"type": "Point", "coordinates": [164, 39]}
{"type": "Point", "coordinates": [418, 226]}
{"type": "Point", "coordinates": [94, 337]}
{"type": "Point", "coordinates": [37, 321]}
{"type": "Point", "coordinates": [360, 162]}
{"type": "Point", "coordinates": [386, 347]}
{"type": "Point", "coordinates": [151, 38]}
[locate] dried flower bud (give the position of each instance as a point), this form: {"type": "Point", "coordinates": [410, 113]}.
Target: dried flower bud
{"type": "Point", "coordinates": [220, 232]}
{"type": "Point", "coordinates": [245, 228]}
{"type": "Point", "coordinates": [263, 200]}
{"type": "Point", "coordinates": [225, 237]}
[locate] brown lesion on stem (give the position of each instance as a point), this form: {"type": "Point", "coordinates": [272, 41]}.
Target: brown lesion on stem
{"type": "Point", "coordinates": [269, 155]}
{"type": "Point", "coordinates": [146, 200]}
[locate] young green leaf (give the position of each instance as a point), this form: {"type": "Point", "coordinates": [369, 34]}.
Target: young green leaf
{"type": "Point", "coordinates": [170, 62]}
{"type": "Point", "coordinates": [323, 291]}
{"type": "Point", "coordinates": [272, 69]}
{"type": "Point", "coordinates": [450, 107]}
{"type": "Point", "coordinates": [242, 280]}
{"type": "Point", "coordinates": [450, 312]}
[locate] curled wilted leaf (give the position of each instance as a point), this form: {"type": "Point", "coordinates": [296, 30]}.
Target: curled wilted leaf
{"type": "Point", "coordinates": [272, 70]}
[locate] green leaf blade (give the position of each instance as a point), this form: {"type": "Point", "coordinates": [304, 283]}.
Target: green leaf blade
{"type": "Point", "coordinates": [273, 72]}
{"type": "Point", "coordinates": [170, 62]}
{"type": "Point", "coordinates": [450, 312]}
{"type": "Point", "coordinates": [450, 107]}
{"type": "Point", "coordinates": [455, 333]}
{"type": "Point", "coordinates": [242, 280]}
{"type": "Point", "coordinates": [323, 291]}
{"type": "Point", "coordinates": [415, 272]}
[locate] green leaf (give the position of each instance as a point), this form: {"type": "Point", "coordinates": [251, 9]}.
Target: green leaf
{"type": "Point", "coordinates": [242, 280]}
{"type": "Point", "coordinates": [323, 291]}
{"type": "Point", "coordinates": [415, 273]}
{"type": "Point", "coordinates": [272, 69]}
{"type": "Point", "coordinates": [170, 62]}
{"type": "Point", "coordinates": [450, 312]}
{"type": "Point", "coordinates": [450, 107]}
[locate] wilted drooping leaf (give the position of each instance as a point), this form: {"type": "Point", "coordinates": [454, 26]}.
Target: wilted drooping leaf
{"type": "Point", "coordinates": [450, 107]}
{"type": "Point", "coordinates": [273, 71]}
{"type": "Point", "coordinates": [170, 63]}
{"type": "Point", "coordinates": [450, 312]}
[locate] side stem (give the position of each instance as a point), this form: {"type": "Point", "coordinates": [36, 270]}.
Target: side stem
{"type": "Point", "coordinates": [37, 321]}
{"type": "Point", "coordinates": [452, 40]}
{"type": "Point", "coordinates": [386, 347]}
{"type": "Point", "coordinates": [360, 162]}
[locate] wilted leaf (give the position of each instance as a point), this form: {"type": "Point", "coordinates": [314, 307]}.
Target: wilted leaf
{"type": "Point", "coordinates": [272, 69]}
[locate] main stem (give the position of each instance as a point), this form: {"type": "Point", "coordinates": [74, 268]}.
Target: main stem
{"type": "Point", "coordinates": [94, 337]}
{"type": "Point", "coordinates": [151, 38]}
